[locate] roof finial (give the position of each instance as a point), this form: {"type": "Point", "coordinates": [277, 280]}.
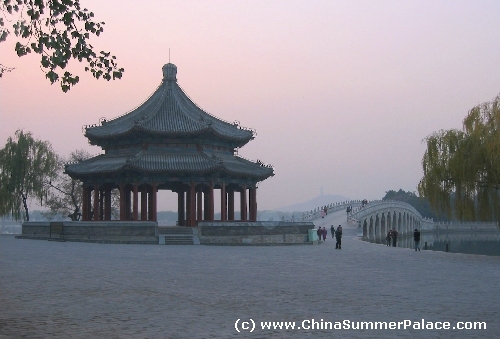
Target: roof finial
{"type": "Point", "coordinates": [169, 55]}
{"type": "Point", "coordinates": [169, 72]}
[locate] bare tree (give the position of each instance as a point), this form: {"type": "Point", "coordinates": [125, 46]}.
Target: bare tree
{"type": "Point", "coordinates": [65, 196]}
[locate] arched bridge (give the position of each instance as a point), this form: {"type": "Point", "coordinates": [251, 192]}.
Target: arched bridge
{"type": "Point", "coordinates": [376, 218]}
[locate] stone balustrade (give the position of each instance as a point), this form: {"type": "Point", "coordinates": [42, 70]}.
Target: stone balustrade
{"type": "Point", "coordinates": [333, 207]}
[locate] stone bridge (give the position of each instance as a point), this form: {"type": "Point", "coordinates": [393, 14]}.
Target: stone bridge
{"type": "Point", "coordinates": [376, 218]}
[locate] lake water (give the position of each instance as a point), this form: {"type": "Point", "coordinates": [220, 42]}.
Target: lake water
{"type": "Point", "coordinates": [481, 242]}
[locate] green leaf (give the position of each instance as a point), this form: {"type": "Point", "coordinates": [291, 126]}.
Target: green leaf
{"type": "Point", "coordinates": [60, 34]}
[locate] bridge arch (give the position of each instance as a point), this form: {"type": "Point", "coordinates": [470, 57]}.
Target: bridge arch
{"type": "Point", "coordinates": [371, 236]}
{"type": "Point", "coordinates": [365, 229]}
{"type": "Point", "coordinates": [383, 231]}
{"type": "Point", "coordinates": [377, 228]}
{"type": "Point", "coordinates": [378, 217]}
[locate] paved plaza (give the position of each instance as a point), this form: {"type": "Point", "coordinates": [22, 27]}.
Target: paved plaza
{"type": "Point", "coordinates": [83, 290]}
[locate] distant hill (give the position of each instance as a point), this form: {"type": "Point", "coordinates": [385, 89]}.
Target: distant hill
{"type": "Point", "coordinates": [319, 201]}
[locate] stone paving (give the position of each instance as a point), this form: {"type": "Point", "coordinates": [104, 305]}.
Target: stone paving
{"type": "Point", "coordinates": [82, 290]}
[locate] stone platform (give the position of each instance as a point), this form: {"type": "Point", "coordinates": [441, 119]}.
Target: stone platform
{"type": "Point", "coordinates": [254, 233]}
{"type": "Point", "coordinates": [148, 232]}
{"type": "Point", "coordinates": [114, 232]}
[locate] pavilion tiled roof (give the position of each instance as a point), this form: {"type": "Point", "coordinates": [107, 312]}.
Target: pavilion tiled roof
{"type": "Point", "coordinates": [150, 161]}
{"type": "Point", "coordinates": [169, 112]}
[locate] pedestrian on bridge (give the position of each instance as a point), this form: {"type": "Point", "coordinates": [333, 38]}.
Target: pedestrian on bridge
{"type": "Point", "coordinates": [416, 238]}
{"type": "Point", "coordinates": [338, 237]}
{"type": "Point", "coordinates": [332, 230]}
{"type": "Point", "coordinates": [394, 237]}
{"type": "Point", "coordinates": [324, 233]}
{"type": "Point", "coordinates": [388, 238]}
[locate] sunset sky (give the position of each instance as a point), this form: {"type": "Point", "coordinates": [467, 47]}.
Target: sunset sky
{"type": "Point", "coordinates": [341, 93]}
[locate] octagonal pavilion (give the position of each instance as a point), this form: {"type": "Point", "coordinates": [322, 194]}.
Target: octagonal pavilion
{"type": "Point", "coordinates": [169, 143]}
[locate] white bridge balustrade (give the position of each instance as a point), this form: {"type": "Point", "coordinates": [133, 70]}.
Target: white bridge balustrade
{"type": "Point", "coordinates": [333, 207]}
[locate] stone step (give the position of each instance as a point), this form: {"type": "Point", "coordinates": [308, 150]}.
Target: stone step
{"type": "Point", "coordinates": [176, 239]}
{"type": "Point", "coordinates": [178, 243]}
{"type": "Point", "coordinates": [170, 241]}
{"type": "Point", "coordinates": [175, 230]}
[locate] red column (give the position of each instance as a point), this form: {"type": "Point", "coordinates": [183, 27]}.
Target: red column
{"type": "Point", "coordinates": [181, 208]}
{"type": "Point", "coordinates": [96, 202]}
{"type": "Point", "coordinates": [253, 204]}
{"type": "Point", "coordinates": [188, 206]}
{"type": "Point", "coordinates": [85, 204]}
{"type": "Point", "coordinates": [144, 203]}
{"type": "Point", "coordinates": [192, 205]}
{"type": "Point", "coordinates": [199, 207]}
{"type": "Point", "coordinates": [243, 203]}
{"type": "Point", "coordinates": [211, 201]}
{"type": "Point", "coordinates": [122, 202]}
{"type": "Point", "coordinates": [150, 203]}
{"type": "Point", "coordinates": [206, 203]}
{"type": "Point", "coordinates": [135, 213]}
{"type": "Point", "coordinates": [154, 202]}
{"type": "Point", "coordinates": [101, 204]}
{"type": "Point", "coordinates": [223, 202]}
{"type": "Point", "coordinates": [107, 204]}
{"type": "Point", "coordinates": [230, 205]}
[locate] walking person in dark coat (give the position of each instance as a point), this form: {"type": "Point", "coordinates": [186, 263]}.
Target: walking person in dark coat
{"type": "Point", "coordinates": [416, 238]}
{"type": "Point", "coordinates": [388, 238]}
{"type": "Point", "coordinates": [394, 237]}
{"type": "Point", "coordinates": [338, 237]}
{"type": "Point", "coordinates": [319, 232]}
{"type": "Point", "coordinates": [332, 230]}
{"type": "Point", "coordinates": [324, 233]}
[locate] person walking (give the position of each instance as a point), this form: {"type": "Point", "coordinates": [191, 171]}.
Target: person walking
{"type": "Point", "coordinates": [388, 238]}
{"type": "Point", "coordinates": [324, 233]}
{"type": "Point", "coordinates": [332, 230]}
{"type": "Point", "coordinates": [416, 238]}
{"type": "Point", "coordinates": [319, 232]}
{"type": "Point", "coordinates": [394, 237]}
{"type": "Point", "coordinates": [338, 237]}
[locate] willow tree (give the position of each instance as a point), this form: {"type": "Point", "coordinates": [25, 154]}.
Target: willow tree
{"type": "Point", "coordinates": [26, 167]}
{"type": "Point", "coordinates": [462, 167]}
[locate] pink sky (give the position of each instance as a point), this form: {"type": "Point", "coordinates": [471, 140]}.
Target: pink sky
{"type": "Point", "coordinates": [341, 93]}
